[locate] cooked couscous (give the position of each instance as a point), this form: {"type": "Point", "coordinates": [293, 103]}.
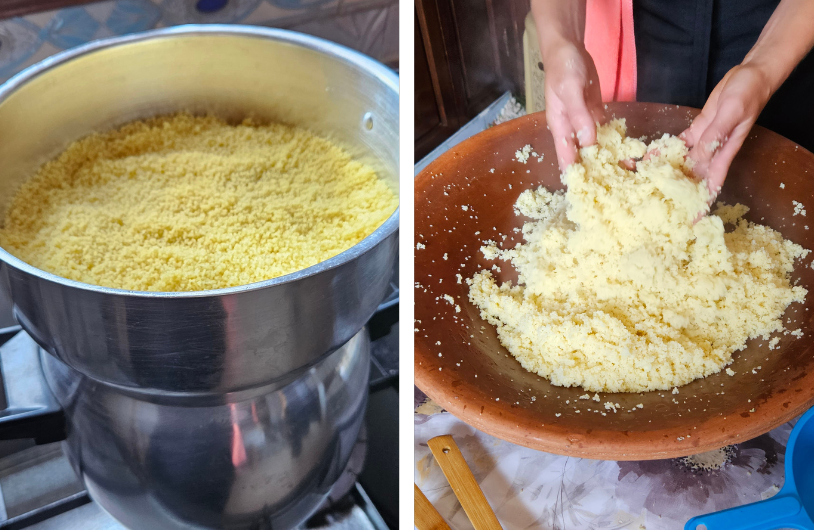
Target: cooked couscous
{"type": "Point", "coordinates": [620, 290]}
{"type": "Point", "coordinates": [184, 203]}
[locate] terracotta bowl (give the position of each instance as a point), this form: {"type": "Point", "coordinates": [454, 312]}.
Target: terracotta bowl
{"type": "Point", "coordinates": [476, 379]}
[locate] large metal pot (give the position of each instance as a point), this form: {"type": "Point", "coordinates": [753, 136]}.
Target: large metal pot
{"type": "Point", "coordinates": [209, 341]}
{"type": "Point", "coordinates": [265, 460]}
{"type": "Point", "coordinates": [159, 387]}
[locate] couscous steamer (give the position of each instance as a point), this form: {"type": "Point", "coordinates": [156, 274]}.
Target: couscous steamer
{"type": "Point", "coordinates": [279, 364]}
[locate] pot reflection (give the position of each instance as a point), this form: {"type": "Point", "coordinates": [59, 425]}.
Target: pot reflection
{"type": "Point", "coordinates": [174, 461]}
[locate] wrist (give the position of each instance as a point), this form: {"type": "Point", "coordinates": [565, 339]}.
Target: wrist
{"type": "Point", "coordinates": [786, 39]}
{"type": "Point", "coordinates": [555, 47]}
{"type": "Point", "coordinates": [773, 68]}
{"type": "Point", "coordinates": [560, 24]}
{"type": "Point", "coordinates": [768, 77]}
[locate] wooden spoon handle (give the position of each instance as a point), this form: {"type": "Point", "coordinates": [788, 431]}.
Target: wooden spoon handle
{"type": "Point", "coordinates": [426, 516]}
{"type": "Point", "coordinates": [463, 483]}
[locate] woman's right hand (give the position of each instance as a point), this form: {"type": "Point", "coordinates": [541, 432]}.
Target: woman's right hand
{"type": "Point", "coordinates": [573, 99]}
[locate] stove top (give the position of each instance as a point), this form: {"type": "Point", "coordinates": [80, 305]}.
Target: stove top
{"type": "Point", "coordinates": [40, 490]}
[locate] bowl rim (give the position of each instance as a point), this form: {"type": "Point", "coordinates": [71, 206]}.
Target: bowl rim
{"type": "Point", "coordinates": [337, 51]}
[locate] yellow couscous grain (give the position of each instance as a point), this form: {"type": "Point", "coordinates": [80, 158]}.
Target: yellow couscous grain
{"type": "Point", "coordinates": [620, 289]}
{"type": "Point", "coordinates": [185, 203]}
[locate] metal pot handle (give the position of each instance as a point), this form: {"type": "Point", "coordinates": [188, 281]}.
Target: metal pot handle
{"type": "Point", "coordinates": [387, 314]}
{"type": "Point", "coordinates": [29, 409]}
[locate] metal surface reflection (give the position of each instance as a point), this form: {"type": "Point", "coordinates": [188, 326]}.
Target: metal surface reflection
{"type": "Point", "coordinates": [172, 463]}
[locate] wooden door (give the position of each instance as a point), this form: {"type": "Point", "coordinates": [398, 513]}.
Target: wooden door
{"type": "Point", "coordinates": [468, 52]}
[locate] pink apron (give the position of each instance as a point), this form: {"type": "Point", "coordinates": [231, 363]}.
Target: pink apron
{"type": "Point", "coordinates": [609, 40]}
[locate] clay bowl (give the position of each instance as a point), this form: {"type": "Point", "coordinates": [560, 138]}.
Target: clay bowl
{"type": "Point", "coordinates": [477, 380]}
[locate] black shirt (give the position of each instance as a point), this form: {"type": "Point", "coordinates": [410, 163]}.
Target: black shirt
{"type": "Point", "coordinates": [684, 48]}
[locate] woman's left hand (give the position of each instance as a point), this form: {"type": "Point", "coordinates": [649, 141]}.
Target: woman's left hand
{"type": "Point", "coordinates": [717, 134]}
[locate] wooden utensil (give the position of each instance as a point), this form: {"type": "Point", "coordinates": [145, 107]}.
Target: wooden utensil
{"type": "Point", "coordinates": [426, 516]}
{"type": "Point", "coordinates": [464, 485]}
{"type": "Point", "coordinates": [476, 379]}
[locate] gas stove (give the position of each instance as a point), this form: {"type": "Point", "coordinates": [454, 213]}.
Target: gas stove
{"type": "Point", "coordinates": [40, 490]}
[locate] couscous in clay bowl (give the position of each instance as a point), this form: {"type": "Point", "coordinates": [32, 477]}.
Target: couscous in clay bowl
{"type": "Point", "coordinates": [478, 380]}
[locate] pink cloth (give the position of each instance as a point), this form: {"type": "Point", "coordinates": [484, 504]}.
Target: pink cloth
{"type": "Point", "coordinates": [609, 40]}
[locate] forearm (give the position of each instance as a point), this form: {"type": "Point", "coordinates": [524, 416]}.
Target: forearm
{"type": "Point", "coordinates": [572, 94]}
{"type": "Point", "coordinates": [558, 22]}
{"type": "Point", "coordinates": [784, 42]}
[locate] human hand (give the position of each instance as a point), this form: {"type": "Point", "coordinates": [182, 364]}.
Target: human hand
{"type": "Point", "coordinates": [717, 134]}
{"type": "Point", "coordinates": [573, 100]}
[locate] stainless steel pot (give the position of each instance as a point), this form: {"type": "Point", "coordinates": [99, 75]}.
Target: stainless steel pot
{"type": "Point", "coordinates": [265, 461]}
{"type": "Point", "coordinates": [208, 342]}
{"type": "Point", "coordinates": [159, 388]}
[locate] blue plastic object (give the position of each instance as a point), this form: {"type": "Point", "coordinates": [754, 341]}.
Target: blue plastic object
{"type": "Point", "coordinates": [792, 507]}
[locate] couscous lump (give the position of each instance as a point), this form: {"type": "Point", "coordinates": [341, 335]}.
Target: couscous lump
{"type": "Point", "coordinates": [621, 287]}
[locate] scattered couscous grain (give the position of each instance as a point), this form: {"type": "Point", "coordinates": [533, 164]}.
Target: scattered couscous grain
{"type": "Point", "coordinates": [522, 154]}
{"type": "Point", "coordinates": [183, 203]}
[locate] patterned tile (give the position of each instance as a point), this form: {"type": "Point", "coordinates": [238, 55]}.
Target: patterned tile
{"type": "Point", "coordinates": [370, 26]}
{"type": "Point", "coordinates": [373, 32]}
{"type": "Point", "coordinates": [71, 27]}
{"type": "Point", "coordinates": [286, 13]}
{"type": "Point", "coordinates": [266, 12]}
{"type": "Point", "coordinates": [354, 5]}
{"type": "Point", "coordinates": [101, 10]}
{"type": "Point", "coordinates": [19, 40]}
{"type": "Point", "coordinates": [40, 20]}
{"type": "Point", "coordinates": [130, 16]}
{"type": "Point", "coordinates": [300, 5]}
{"type": "Point", "coordinates": [46, 50]}
{"type": "Point", "coordinates": [186, 12]}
